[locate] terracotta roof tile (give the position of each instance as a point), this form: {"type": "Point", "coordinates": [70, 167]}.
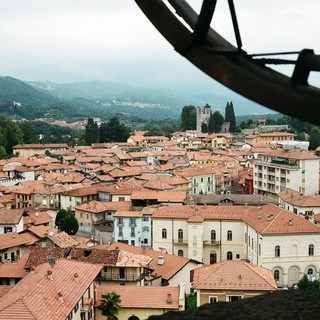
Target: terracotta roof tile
{"type": "Point", "coordinates": [234, 275]}
{"type": "Point", "coordinates": [36, 296]}
{"type": "Point", "coordinates": [142, 297]}
{"type": "Point", "coordinates": [11, 239]}
{"type": "Point", "coordinates": [101, 206]}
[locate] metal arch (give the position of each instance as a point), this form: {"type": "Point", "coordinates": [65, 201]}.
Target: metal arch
{"type": "Point", "coordinates": [232, 66]}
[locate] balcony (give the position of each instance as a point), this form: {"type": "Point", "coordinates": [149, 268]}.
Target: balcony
{"type": "Point", "coordinates": [213, 243]}
{"type": "Point", "coordinates": [180, 241]}
{"type": "Point", "coordinates": [117, 277]}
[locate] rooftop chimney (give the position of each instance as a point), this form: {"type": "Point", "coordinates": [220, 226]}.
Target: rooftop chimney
{"type": "Point", "coordinates": [76, 278]}
{"type": "Point", "coordinates": [60, 297]}
{"type": "Point", "coordinates": [290, 222]}
{"type": "Point", "coordinates": [49, 275]}
{"type": "Point", "coordinates": [160, 260]}
{"type": "Point", "coordinates": [169, 298]}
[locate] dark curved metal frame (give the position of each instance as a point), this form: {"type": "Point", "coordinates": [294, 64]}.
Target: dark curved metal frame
{"type": "Point", "coordinates": [245, 74]}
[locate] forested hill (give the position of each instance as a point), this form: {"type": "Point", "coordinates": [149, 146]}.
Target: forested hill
{"type": "Point", "coordinates": [41, 99]}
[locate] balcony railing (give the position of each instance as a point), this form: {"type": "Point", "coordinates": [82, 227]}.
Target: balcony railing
{"type": "Point", "coordinates": [117, 277]}
{"type": "Point", "coordinates": [213, 243]}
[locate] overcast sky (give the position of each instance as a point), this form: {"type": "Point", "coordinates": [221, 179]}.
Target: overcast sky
{"type": "Point", "coordinates": [112, 40]}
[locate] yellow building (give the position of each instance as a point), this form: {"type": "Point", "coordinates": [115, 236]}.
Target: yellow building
{"type": "Point", "coordinates": [269, 138]}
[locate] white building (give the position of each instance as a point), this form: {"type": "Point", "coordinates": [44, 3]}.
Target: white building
{"type": "Point", "coordinates": [133, 227]}
{"type": "Point", "coordinates": [267, 236]}
{"type": "Point", "coordinates": [279, 169]}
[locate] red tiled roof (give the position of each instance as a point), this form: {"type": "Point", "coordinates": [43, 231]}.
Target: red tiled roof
{"type": "Point", "coordinates": [101, 206]}
{"type": "Point", "coordinates": [142, 297]}
{"type": "Point", "coordinates": [36, 296]}
{"type": "Point", "coordinates": [234, 275]}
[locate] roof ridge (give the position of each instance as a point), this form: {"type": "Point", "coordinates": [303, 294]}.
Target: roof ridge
{"type": "Point", "coordinates": [254, 269]}
{"type": "Point", "coordinates": [215, 268]}
{"type": "Point", "coordinates": [272, 221]}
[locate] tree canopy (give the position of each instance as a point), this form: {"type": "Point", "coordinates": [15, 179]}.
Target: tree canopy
{"type": "Point", "coordinates": [110, 305]}
{"type": "Point", "coordinates": [189, 118]}
{"type": "Point", "coordinates": [91, 132]}
{"type": "Point", "coordinates": [230, 116]}
{"type": "Point", "coordinates": [114, 131]}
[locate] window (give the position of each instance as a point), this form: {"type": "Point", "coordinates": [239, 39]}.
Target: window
{"type": "Point", "coordinates": [120, 221]}
{"type": "Point", "coordinates": [208, 179]}
{"type": "Point", "coordinates": [311, 250]}
{"type": "Point", "coordinates": [259, 249]}
{"type": "Point", "coordinates": [234, 298]}
{"type": "Point", "coordinates": [146, 219]}
{"type": "Point", "coordinates": [213, 235]}
{"type": "Point", "coordinates": [277, 251]}
{"type": "Point", "coordinates": [120, 232]}
{"type": "Point", "coordinates": [164, 233]}
{"type": "Point", "coordinates": [145, 241]}
{"type": "Point", "coordinates": [121, 198]}
{"type": "Point", "coordinates": [180, 235]}
{"type": "Point", "coordinates": [180, 253]}
{"type": "Point", "coordinates": [229, 255]}
{"type": "Point", "coordinates": [105, 269]}
{"type": "Point", "coordinates": [7, 229]}
{"type": "Point", "coordinates": [213, 299]}
{"type": "Point", "coordinates": [76, 307]}
{"type": "Point", "coordinates": [310, 271]}
{"type": "Point", "coordinates": [133, 233]}
{"type": "Point", "coordinates": [276, 275]}
{"type": "Point", "coordinates": [145, 229]}
{"type": "Point", "coordinates": [201, 179]}
{"type": "Point", "coordinates": [229, 235]}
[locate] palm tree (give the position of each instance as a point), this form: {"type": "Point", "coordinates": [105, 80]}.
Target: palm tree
{"type": "Point", "coordinates": [110, 305]}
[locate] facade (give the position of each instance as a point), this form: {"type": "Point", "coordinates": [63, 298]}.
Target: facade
{"type": "Point", "coordinates": [203, 116]}
{"type": "Point", "coordinates": [27, 150]}
{"type": "Point", "coordinates": [269, 138]}
{"type": "Point", "coordinates": [277, 170]}
{"type": "Point", "coordinates": [133, 227]}
{"type": "Point", "coordinates": [267, 236]}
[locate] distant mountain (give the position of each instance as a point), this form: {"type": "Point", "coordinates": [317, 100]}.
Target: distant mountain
{"type": "Point", "coordinates": [100, 98]}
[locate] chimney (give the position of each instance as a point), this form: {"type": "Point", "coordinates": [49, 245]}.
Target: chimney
{"type": "Point", "coordinates": [246, 205]}
{"type": "Point", "coordinates": [49, 275]}
{"type": "Point", "coordinates": [196, 211]}
{"type": "Point", "coordinates": [160, 260]}
{"type": "Point", "coordinates": [76, 278]}
{"type": "Point", "coordinates": [60, 297]}
{"type": "Point", "coordinates": [290, 222]}
{"type": "Point", "coordinates": [169, 298]}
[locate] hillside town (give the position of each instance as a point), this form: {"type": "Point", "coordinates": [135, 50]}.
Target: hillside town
{"type": "Point", "coordinates": [158, 220]}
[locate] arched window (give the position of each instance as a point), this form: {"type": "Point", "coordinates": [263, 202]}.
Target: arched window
{"type": "Point", "coordinates": [180, 253]}
{"type": "Point", "coordinates": [229, 235]}
{"type": "Point", "coordinates": [277, 251]}
{"type": "Point", "coordinates": [164, 233]}
{"type": "Point", "coordinates": [180, 235]}
{"type": "Point", "coordinates": [310, 271]}
{"type": "Point", "coordinates": [229, 255]}
{"type": "Point", "coordinates": [213, 235]}
{"type": "Point", "coordinates": [311, 250]}
{"type": "Point", "coordinates": [276, 275]}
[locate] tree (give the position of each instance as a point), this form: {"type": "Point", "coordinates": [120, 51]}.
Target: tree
{"type": "Point", "coordinates": [91, 132]}
{"type": "Point", "coordinates": [188, 118]}
{"type": "Point", "coordinates": [230, 116]}
{"type": "Point", "coordinates": [61, 214]}
{"type": "Point", "coordinates": [306, 284]}
{"type": "Point", "coordinates": [70, 224]}
{"type": "Point", "coordinates": [110, 305]}
{"type": "Point", "coordinates": [28, 131]}
{"type": "Point", "coordinates": [114, 131]}
{"type": "Point", "coordinates": [204, 128]}
{"type": "Point", "coordinates": [217, 121]}
{"type": "Point", "coordinates": [314, 139]}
